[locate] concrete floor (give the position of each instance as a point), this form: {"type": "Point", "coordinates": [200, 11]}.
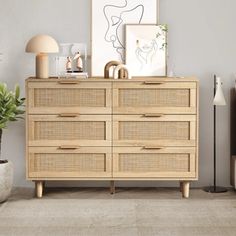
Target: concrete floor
{"type": "Point", "coordinates": [131, 211]}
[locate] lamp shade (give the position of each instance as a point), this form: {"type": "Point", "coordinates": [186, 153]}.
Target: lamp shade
{"type": "Point", "coordinates": [42, 44]}
{"type": "Point", "coordinates": [219, 99]}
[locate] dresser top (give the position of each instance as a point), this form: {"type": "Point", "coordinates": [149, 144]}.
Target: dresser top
{"type": "Point", "coordinates": [102, 79]}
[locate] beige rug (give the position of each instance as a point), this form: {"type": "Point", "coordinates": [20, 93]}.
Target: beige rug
{"type": "Point", "coordinates": [96, 212]}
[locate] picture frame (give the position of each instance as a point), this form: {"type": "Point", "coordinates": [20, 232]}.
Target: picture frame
{"type": "Point", "coordinates": [108, 19]}
{"type": "Point", "coordinates": [146, 49]}
{"type": "Point", "coordinates": [67, 60]}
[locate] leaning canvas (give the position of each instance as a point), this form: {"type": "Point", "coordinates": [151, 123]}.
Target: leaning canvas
{"type": "Point", "coordinates": [146, 49]}
{"type": "Point", "coordinates": [109, 18]}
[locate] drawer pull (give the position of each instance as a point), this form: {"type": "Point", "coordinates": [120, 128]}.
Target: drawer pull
{"type": "Point", "coordinates": [68, 82]}
{"type": "Point", "coordinates": [153, 115]}
{"type": "Point", "coordinates": [68, 147]}
{"type": "Point", "coordinates": [153, 147]}
{"type": "Point", "coordinates": [154, 82]}
{"type": "Point", "coordinates": [68, 115]}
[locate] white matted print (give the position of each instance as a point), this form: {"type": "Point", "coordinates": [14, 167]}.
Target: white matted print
{"type": "Point", "coordinates": [109, 18]}
{"type": "Point", "coordinates": [146, 49]}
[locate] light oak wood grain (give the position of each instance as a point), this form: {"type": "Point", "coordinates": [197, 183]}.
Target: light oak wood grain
{"type": "Point", "coordinates": [118, 151]}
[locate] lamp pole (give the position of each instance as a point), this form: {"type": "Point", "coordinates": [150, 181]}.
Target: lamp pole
{"type": "Point", "coordinates": [214, 188]}
{"type": "Point", "coordinates": [214, 151]}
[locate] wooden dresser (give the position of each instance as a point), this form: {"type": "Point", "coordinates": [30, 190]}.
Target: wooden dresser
{"type": "Point", "coordinates": [105, 129]}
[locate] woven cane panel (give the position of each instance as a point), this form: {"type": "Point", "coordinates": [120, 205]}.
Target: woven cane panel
{"type": "Point", "coordinates": [47, 97]}
{"type": "Point", "coordinates": [154, 97]}
{"type": "Point", "coordinates": [62, 130]}
{"type": "Point", "coordinates": [145, 162]}
{"type": "Point", "coordinates": [70, 162]}
{"type": "Point", "coordinates": [153, 130]}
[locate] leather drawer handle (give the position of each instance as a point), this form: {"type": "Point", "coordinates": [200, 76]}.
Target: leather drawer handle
{"type": "Point", "coordinates": [153, 147]}
{"type": "Point", "coordinates": [68, 115]}
{"type": "Point", "coordinates": [154, 82]}
{"type": "Point", "coordinates": [68, 147]}
{"type": "Point", "coordinates": [153, 115]}
{"type": "Point", "coordinates": [68, 82]}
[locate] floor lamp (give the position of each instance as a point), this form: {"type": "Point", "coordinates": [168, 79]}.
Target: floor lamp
{"type": "Point", "coordinates": [219, 100]}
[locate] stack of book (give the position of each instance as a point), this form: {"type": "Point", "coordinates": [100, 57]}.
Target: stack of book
{"type": "Point", "coordinates": [76, 75]}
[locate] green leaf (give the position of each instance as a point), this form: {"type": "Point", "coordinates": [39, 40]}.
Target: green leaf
{"type": "Point", "coordinates": [17, 91]}
{"type": "Point", "coordinates": [11, 105]}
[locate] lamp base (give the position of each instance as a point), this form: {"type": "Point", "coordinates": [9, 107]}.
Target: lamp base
{"type": "Point", "coordinates": [42, 66]}
{"type": "Point", "coordinates": [215, 189]}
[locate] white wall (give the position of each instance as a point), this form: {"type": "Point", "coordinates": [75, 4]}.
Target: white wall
{"type": "Point", "coordinates": [202, 41]}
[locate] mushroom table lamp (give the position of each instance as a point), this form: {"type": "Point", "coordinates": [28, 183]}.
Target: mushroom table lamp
{"type": "Point", "coordinates": [42, 45]}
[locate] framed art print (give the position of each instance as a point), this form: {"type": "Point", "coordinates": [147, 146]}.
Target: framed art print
{"type": "Point", "coordinates": [146, 49]}
{"type": "Point", "coordinates": [109, 18]}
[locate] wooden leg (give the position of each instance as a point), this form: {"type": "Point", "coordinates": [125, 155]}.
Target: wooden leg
{"type": "Point", "coordinates": [181, 186]}
{"type": "Point", "coordinates": [39, 188]}
{"type": "Point", "coordinates": [185, 191]}
{"type": "Point", "coordinates": [112, 187]}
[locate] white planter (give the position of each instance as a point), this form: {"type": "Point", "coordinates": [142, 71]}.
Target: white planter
{"type": "Point", "coordinates": [6, 180]}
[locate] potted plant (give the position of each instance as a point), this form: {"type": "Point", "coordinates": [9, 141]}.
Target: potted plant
{"type": "Point", "coordinates": [10, 110]}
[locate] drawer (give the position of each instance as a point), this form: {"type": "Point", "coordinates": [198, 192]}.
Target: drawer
{"type": "Point", "coordinates": [69, 96]}
{"type": "Point", "coordinates": [82, 130]}
{"type": "Point", "coordinates": [69, 162]}
{"type": "Point", "coordinates": [154, 129]}
{"type": "Point", "coordinates": [154, 96]}
{"type": "Point", "coordinates": [154, 162]}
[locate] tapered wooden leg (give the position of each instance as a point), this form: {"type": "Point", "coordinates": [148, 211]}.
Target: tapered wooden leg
{"type": "Point", "coordinates": [112, 187]}
{"type": "Point", "coordinates": [39, 189]}
{"type": "Point", "coordinates": [181, 186]}
{"type": "Point", "coordinates": [185, 191]}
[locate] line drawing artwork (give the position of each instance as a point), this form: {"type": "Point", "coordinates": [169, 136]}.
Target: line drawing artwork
{"type": "Point", "coordinates": [109, 20]}
{"type": "Point", "coordinates": [145, 51]}
{"type": "Point", "coordinates": [116, 16]}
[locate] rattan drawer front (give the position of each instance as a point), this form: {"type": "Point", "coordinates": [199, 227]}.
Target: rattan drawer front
{"type": "Point", "coordinates": [168, 98]}
{"type": "Point", "coordinates": [151, 162]}
{"type": "Point", "coordinates": [84, 98]}
{"type": "Point", "coordinates": [166, 130]}
{"type": "Point", "coordinates": [84, 130]}
{"type": "Point", "coordinates": [53, 162]}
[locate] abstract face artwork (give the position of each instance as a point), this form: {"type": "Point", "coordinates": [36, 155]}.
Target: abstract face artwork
{"type": "Point", "coordinates": [145, 51]}
{"type": "Point", "coordinates": [109, 18]}
{"type": "Point", "coordinates": [116, 16]}
{"type": "Point", "coordinates": [146, 47]}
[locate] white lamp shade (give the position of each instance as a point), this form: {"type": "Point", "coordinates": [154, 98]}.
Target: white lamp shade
{"type": "Point", "coordinates": [219, 99]}
{"type": "Point", "coordinates": [42, 44]}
